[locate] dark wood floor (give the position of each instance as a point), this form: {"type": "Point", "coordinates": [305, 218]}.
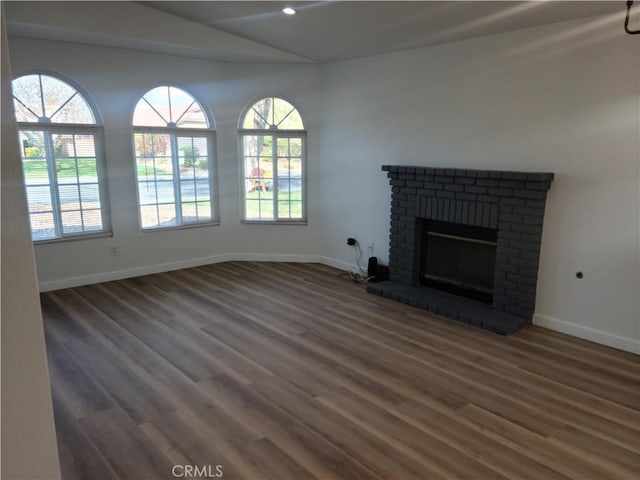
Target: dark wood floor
{"type": "Point", "coordinates": [289, 371]}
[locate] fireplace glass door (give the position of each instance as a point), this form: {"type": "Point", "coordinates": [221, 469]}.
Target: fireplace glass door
{"type": "Point", "coordinates": [459, 259]}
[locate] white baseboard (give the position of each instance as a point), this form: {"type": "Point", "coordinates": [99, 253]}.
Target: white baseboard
{"type": "Point", "coordinates": [621, 343]}
{"type": "Point", "coordinates": [339, 264]}
{"type": "Point", "coordinates": [167, 267]}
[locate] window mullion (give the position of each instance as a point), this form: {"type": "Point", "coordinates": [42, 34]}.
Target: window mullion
{"type": "Point", "coordinates": [53, 183]}
{"type": "Point", "coordinates": [177, 192]}
{"type": "Point", "coordinates": [274, 169]}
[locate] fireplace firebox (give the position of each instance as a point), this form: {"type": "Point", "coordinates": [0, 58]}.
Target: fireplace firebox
{"type": "Point", "coordinates": [465, 243]}
{"type": "Point", "coordinates": [457, 258]}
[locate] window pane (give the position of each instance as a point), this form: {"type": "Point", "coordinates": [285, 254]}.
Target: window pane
{"type": "Point", "coordinates": [167, 215]}
{"type": "Point", "coordinates": [77, 181]}
{"type": "Point", "coordinates": [149, 216]}
{"type": "Point", "coordinates": [180, 102]}
{"type": "Point", "coordinates": [283, 209]}
{"type": "Point", "coordinates": [295, 167]}
{"type": "Point", "coordinates": [156, 186]}
{"type": "Point", "coordinates": [35, 170]}
{"type": "Point", "coordinates": [202, 189]}
{"type": "Point", "coordinates": [251, 168]}
{"type": "Point", "coordinates": [272, 113]}
{"type": "Point", "coordinates": [185, 111]}
{"type": "Point", "coordinates": [295, 186]}
{"type": "Point", "coordinates": [196, 212]}
{"type": "Point", "coordinates": [283, 147]}
{"type": "Point", "coordinates": [192, 155]}
{"type": "Point", "coordinates": [158, 100]}
{"type": "Point", "coordinates": [250, 145]}
{"type": "Point", "coordinates": [56, 93]}
{"type": "Point", "coordinates": [75, 111]}
{"type": "Point", "coordinates": [39, 198]}
{"type": "Point", "coordinates": [189, 212]}
{"type": "Point", "coordinates": [164, 191]}
{"type": "Point", "coordinates": [169, 106]}
{"type": "Point", "coordinates": [71, 222]}
{"type": "Point", "coordinates": [295, 145]}
{"type": "Point", "coordinates": [89, 195]}
{"type": "Point", "coordinates": [283, 189]}
{"type": "Point", "coordinates": [266, 209]}
{"type": "Point", "coordinates": [42, 226]}
{"type": "Point", "coordinates": [147, 193]}
{"type": "Point", "coordinates": [69, 197]}
{"type": "Point", "coordinates": [286, 116]}
{"type": "Point", "coordinates": [26, 91]}
{"type": "Point", "coordinates": [265, 145]}
{"type": "Point", "coordinates": [259, 116]}
{"type": "Point", "coordinates": [252, 208]}
{"type": "Point", "coordinates": [62, 103]}
{"type": "Point", "coordinates": [292, 122]}
{"type": "Point", "coordinates": [204, 211]}
{"type": "Point", "coordinates": [146, 116]}
{"type": "Point", "coordinates": [296, 209]}
{"type": "Point", "coordinates": [188, 191]}
{"type": "Point", "coordinates": [84, 146]}
{"type": "Point", "coordinates": [153, 154]}
{"type": "Point", "coordinates": [92, 220]}
{"type": "Point", "coordinates": [266, 167]}
{"type": "Point", "coordinates": [23, 114]}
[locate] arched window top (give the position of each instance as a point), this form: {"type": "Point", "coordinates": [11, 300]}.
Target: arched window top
{"type": "Point", "coordinates": [40, 98]}
{"type": "Point", "coordinates": [272, 113]}
{"type": "Point", "coordinates": [167, 106]}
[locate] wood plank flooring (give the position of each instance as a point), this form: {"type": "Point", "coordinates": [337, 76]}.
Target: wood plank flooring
{"type": "Point", "coordinates": [290, 371]}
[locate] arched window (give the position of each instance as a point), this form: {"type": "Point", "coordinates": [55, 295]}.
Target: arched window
{"type": "Point", "coordinates": [62, 158]}
{"type": "Point", "coordinates": [174, 145]}
{"type": "Point", "coordinates": [273, 145]}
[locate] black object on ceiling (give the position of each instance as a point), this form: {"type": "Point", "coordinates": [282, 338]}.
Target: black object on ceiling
{"type": "Point", "coordinates": [626, 20]}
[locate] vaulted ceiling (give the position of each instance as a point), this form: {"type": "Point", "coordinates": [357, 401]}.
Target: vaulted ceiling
{"type": "Point", "coordinates": [320, 31]}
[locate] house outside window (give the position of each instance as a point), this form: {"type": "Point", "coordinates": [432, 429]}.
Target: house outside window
{"type": "Point", "coordinates": [62, 159]}
{"type": "Point", "coordinates": [273, 155]}
{"type": "Point", "coordinates": [174, 144]}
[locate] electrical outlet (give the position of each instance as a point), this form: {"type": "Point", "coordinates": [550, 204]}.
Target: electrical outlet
{"type": "Point", "coordinates": [370, 247]}
{"type": "Point", "coordinates": [115, 250]}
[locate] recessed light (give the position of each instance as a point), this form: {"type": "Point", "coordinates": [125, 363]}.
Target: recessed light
{"type": "Point", "coordinates": [289, 11]}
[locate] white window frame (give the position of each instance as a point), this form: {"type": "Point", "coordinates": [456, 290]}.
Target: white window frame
{"type": "Point", "coordinates": [49, 129]}
{"type": "Point", "coordinates": [276, 134]}
{"type": "Point", "coordinates": [173, 133]}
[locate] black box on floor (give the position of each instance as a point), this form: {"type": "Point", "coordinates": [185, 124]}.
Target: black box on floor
{"type": "Point", "coordinates": [377, 272]}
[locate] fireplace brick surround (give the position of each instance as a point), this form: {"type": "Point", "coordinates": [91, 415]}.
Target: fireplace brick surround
{"type": "Point", "coordinates": [511, 202]}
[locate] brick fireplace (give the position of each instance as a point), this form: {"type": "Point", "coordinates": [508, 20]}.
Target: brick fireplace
{"type": "Point", "coordinates": [466, 243]}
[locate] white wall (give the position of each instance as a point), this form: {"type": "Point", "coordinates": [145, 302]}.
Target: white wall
{"type": "Point", "coordinates": [115, 79]}
{"type": "Point", "coordinates": [29, 448]}
{"type": "Point", "coordinates": [562, 98]}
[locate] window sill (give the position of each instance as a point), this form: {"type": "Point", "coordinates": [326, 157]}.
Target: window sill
{"type": "Point", "coordinates": [274, 222]}
{"type": "Point", "coordinates": [144, 231]}
{"type": "Point", "coordinates": [74, 238]}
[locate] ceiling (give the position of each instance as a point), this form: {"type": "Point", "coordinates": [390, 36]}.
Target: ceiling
{"type": "Point", "coordinates": [320, 31]}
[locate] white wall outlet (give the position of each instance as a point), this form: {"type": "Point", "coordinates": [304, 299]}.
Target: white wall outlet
{"type": "Point", "coordinates": [370, 247]}
{"type": "Point", "coordinates": [115, 250]}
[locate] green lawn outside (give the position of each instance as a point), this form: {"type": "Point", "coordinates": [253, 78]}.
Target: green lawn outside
{"type": "Point", "coordinates": [148, 170]}
{"type": "Point", "coordinates": [254, 207]}
{"type": "Point", "coordinates": [66, 167]}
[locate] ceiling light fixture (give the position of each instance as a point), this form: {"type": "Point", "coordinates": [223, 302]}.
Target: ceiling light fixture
{"type": "Point", "coordinates": [288, 11]}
